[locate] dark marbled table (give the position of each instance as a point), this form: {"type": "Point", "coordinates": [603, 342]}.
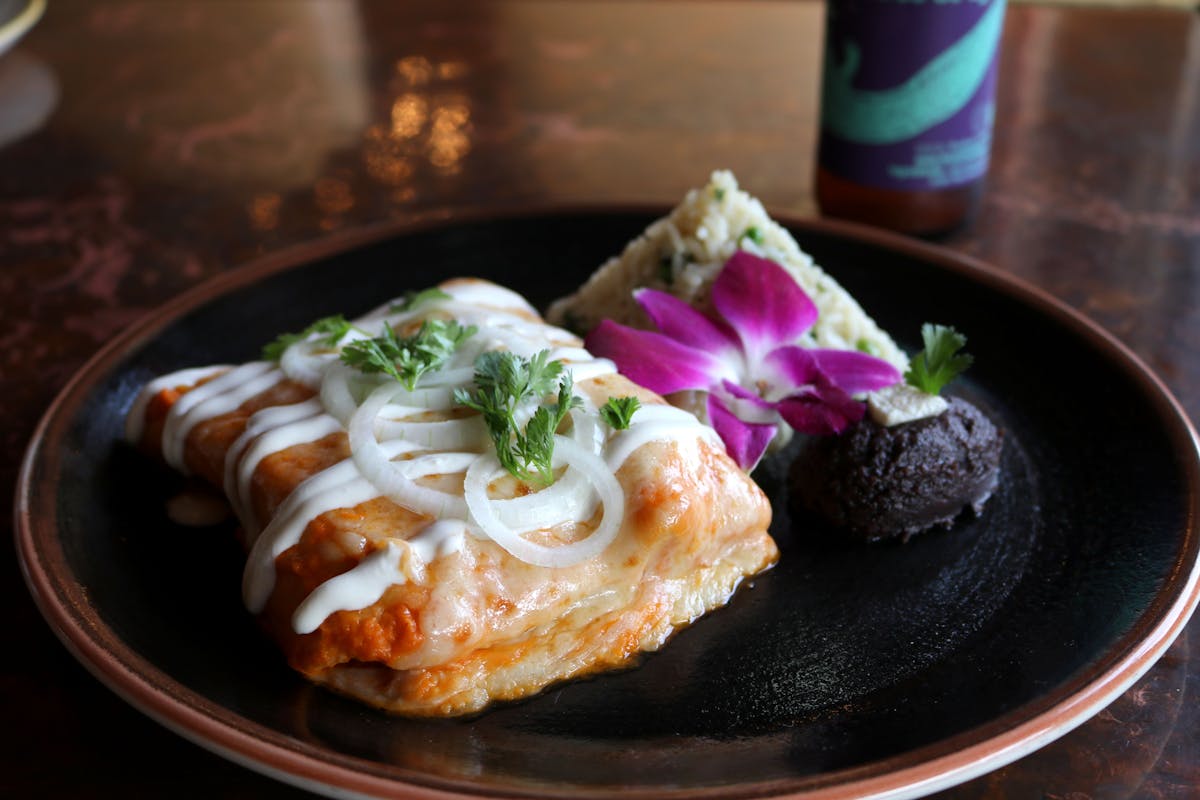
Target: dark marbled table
{"type": "Point", "coordinates": [146, 146]}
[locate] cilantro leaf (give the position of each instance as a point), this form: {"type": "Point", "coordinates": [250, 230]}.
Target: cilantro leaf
{"type": "Point", "coordinates": [618, 412]}
{"type": "Point", "coordinates": [407, 359]}
{"type": "Point", "coordinates": [415, 299]}
{"type": "Point", "coordinates": [505, 381]}
{"type": "Point", "coordinates": [332, 327]}
{"type": "Point", "coordinates": [940, 362]}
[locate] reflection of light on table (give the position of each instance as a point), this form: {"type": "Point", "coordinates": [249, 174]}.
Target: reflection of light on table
{"type": "Point", "coordinates": [251, 97]}
{"type": "Point", "coordinates": [264, 211]}
{"type": "Point", "coordinates": [599, 106]}
{"type": "Point", "coordinates": [415, 70]}
{"type": "Point", "coordinates": [333, 196]}
{"type": "Point", "coordinates": [409, 113]}
{"type": "Point", "coordinates": [429, 124]}
{"type": "Point", "coordinates": [449, 141]}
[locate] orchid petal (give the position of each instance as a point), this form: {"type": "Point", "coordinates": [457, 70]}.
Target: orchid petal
{"type": "Point", "coordinates": [850, 370]}
{"type": "Point", "coordinates": [745, 442]}
{"type": "Point", "coordinates": [653, 360]}
{"type": "Point", "coordinates": [681, 322]}
{"type": "Point", "coordinates": [762, 302]}
{"type": "Point", "coordinates": [854, 371]}
{"type": "Point", "coordinates": [790, 367]}
{"type": "Point", "coordinates": [821, 409]}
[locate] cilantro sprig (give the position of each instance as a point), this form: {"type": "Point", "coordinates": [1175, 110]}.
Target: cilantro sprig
{"type": "Point", "coordinates": [408, 358]}
{"type": "Point", "coordinates": [618, 412]}
{"type": "Point", "coordinates": [940, 362]}
{"type": "Point", "coordinates": [332, 328]}
{"type": "Point", "coordinates": [503, 383]}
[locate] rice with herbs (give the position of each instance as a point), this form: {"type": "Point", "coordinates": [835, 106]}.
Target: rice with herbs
{"type": "Point", "coordinates": [683, 252]}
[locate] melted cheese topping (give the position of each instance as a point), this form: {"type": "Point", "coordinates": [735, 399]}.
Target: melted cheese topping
{"type": "Point", "coordinates": [415, 448]}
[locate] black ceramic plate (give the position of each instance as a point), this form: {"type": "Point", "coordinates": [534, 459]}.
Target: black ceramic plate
{"type": "Point", "coordinates": [848, 670]}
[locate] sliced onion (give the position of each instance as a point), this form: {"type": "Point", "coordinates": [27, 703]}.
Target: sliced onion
{"type": "Point", "coordinates": [436, 464]}
{"type": "Point", "coordinates": [475, 488]}
{"type": "Point", "coordinates": [302, 363]}
{"type": "Point", "coordinates": [439, 398]}
{"type": "Point", "coordinates": [569, 499]}
{"type": "Point", "coordinates": [584, 429]}
{"type": "Point", "coordinates": [335, 392]}
{"type": "Point", "coordinates": [458, 376]}
{"type": "Point", "coordinates": [388, 476]}
{"type": "Point", "coordinates": [467, 433]}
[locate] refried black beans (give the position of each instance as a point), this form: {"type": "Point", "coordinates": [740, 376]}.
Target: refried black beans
{"type": "Point", "coordinates": [879, 483]}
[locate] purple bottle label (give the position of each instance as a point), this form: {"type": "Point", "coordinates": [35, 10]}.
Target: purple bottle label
{"type": "Point", "coordinates": [908, 94]}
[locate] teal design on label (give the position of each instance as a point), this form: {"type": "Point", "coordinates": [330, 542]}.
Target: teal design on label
{"type": "Point", "coordinates": [932, 95]}
{"type": "Point", "coordinates": [951, 162]}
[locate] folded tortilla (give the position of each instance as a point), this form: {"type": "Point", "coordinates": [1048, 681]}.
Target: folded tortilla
{"type": "Point", "coordinates": [425, 613]}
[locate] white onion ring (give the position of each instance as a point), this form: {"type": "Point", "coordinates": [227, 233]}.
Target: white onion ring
{"type": "Point", "coordinates": [475, 489]}
{"type": "Point", "coordinates": [467, 433]}
{"type": "Point", "coordinates": [437, 398]}
{"type": "Point", "coordinates": [457, 376]}
{"type": "Point", "coordinates": [303, 364]}
{"type": "Point", "coordinates": [335, 392]}
{"type": "Point", "coordinates": [436, 464]}
{"type": "Point", "coordinates": [568, 499]}
{"type": "Point", "coordinates": [386, 475]}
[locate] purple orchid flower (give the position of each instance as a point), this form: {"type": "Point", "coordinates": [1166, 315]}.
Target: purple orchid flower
{"type": "Point", "coordinates": [747, 359]}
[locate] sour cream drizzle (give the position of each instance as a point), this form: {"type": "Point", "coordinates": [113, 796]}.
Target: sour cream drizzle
{"type": "Point", "coordinates": [402, 439]}
{"type": "Point", "coordinates": [365, 583]}
{"type": "Point", "coordinates": [219, 396]}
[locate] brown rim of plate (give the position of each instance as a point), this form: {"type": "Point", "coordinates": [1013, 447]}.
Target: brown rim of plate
{"type": "Point", "coordinates": [927, 769]}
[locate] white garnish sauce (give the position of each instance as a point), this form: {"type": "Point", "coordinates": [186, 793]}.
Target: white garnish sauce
{"type": "Point", "coordinates": [413, 443]}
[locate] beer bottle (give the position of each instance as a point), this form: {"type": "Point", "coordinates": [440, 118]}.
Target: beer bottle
{"type": "Point", "coordinates": [907, 102]}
